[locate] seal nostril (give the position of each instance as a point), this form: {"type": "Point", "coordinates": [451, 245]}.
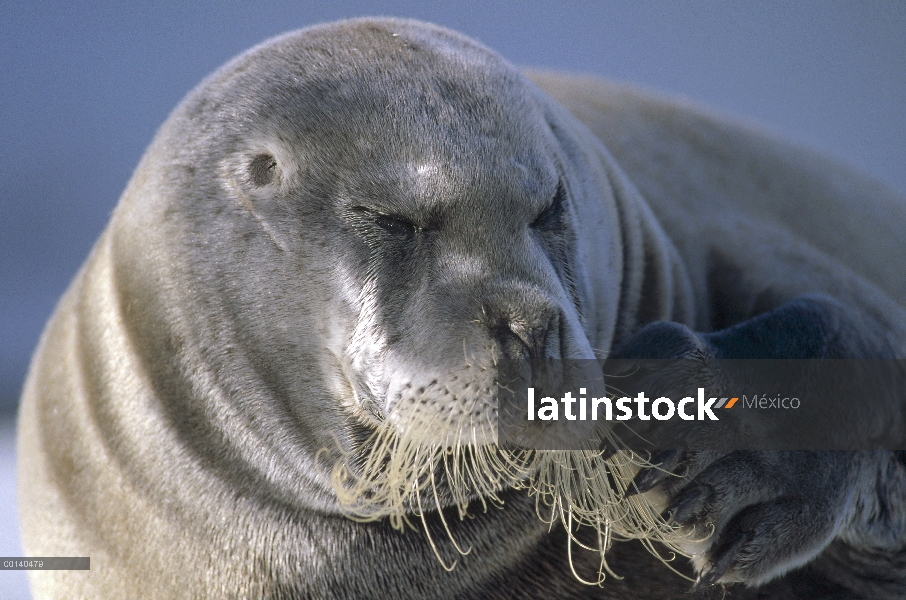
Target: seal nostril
{"type": "Point", "coordinates": [534, 338]}
{"type": "Point", "coordinates": [524, 321]}
{"type": "Point", "coordinates": [520, 341]}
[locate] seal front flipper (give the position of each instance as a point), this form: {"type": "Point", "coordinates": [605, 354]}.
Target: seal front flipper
{"type": "Point", "coordinates": [760, 514]}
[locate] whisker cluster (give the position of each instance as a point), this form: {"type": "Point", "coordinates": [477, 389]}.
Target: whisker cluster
{"type": "Point", "coordinates": [401, 473]}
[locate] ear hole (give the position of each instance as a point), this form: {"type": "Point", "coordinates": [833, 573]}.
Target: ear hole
{"type": "Point", "coordinates": [263, 169]}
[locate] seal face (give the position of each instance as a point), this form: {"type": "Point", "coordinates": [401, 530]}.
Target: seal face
{"type": "Point", "coordinates": [301, 301]}
{"type": "Point", "coordinates": [439, 195]}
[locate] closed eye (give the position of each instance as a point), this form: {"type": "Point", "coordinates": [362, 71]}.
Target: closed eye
{"type": "Point", "coordinates": [395, 226]}
{"type": "Point", "coordinates": [550, 217]}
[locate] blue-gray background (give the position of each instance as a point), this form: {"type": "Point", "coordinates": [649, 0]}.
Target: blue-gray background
{"type": "Point", "coordinates": [84, 85]}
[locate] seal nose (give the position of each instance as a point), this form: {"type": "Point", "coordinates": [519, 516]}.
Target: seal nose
{"type": "Point", "coordinates": [521, 338]}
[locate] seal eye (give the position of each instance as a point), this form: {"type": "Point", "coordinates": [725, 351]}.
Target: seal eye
{"type": "Point", "coordinates": [262, 169]}
{"type": "Point", "coordinates": [551, 215]}
{"type": "Point", "coordinates": [395, 226]}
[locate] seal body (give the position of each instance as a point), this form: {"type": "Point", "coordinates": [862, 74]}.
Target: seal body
{"type": "Point", "coordinates": [342, 230]}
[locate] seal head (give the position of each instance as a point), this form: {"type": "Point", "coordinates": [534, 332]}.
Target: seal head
{"type": "Point", "coordinates": [403, 193]}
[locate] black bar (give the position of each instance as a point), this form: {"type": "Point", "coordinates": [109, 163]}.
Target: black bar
{"type": "Point", "coordinates": [719, 404]}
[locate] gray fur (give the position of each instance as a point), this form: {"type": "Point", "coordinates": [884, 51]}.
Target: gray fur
{"type": "Point", "coordinates": [348, 224]}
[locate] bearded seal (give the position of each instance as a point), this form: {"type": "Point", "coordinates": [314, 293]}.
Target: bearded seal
{"type": "Point", "coordinates": [294, 313]}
